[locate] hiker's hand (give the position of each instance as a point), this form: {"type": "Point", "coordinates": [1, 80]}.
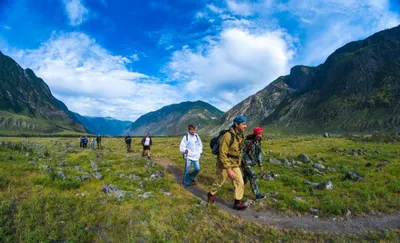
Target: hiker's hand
{"type": "Point", "coordinates": [262, 168]}
{"type": "Point", "coordinates": [231, 174]}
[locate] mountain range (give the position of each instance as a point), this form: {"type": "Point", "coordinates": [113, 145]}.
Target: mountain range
{"type": "Point", "coordinates": [103, 125]}
{"type": "Point", "coordinates": [355, 90]}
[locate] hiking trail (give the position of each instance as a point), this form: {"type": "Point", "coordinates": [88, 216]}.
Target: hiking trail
{"type": "Point", "coordinates": [281, 221]}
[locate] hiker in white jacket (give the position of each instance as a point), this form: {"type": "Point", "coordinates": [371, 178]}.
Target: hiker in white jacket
{"type": "Point", "coordinates": [191, 148]}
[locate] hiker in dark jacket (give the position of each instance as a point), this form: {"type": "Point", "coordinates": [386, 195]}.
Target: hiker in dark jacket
{"type": "Point", "coordinates": [229, 160]}
{"type": "Point", "coordinates": [252, 155]}
{"type": "Point", "coordinates": [98, 140]}
{"type": "Point", "coordinates": [128, 141]}
{"type": "Point", "coordinates": [146, 142]}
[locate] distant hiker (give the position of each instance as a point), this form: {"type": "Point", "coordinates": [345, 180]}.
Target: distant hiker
{"type": "Point", "coordinates": [128, 141]}
{"type": "Point", "coordinates": [228, 161]}
{"type": "Point", "coordinates": [191, 147]}
{"type": "Point", "coordinates": [146, 142]}
{"type": "Point", "coordinates": [85, 141]}
{"type": "Point", "coordinates": [252, 155]}
{"type": "Point", "coordinates": [98, 140]}
{"type": "Point", "coordinates": [80, 142]}
{"type": "Point", "coordinates": [92, 143]}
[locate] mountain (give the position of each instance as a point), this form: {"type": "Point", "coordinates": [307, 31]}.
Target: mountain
{"type": "Point", "coordinates": [103, 125]}
{"type": "Point", "coordinates": [27, 105]}
{"type": "Point", "coordinates": [173, 119]}
{"type": "Point", "coordinates": [355, 90]}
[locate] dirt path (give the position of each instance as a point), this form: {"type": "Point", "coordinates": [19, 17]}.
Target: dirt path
{"type": "Point", "coordinates": [307, 223]}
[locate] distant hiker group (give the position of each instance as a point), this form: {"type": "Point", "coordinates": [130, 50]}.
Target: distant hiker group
{"type": "Point", "coordinates": [83, 141]}
{"type": "Point", "coordinates": [146, 142]}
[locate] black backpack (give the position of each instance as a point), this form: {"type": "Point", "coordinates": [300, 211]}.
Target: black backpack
{"type": "Point", "coordinates": [214, 144]}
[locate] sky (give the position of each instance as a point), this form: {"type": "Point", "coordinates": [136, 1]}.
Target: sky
{"type": "Point", "coordinates": [124, 59]}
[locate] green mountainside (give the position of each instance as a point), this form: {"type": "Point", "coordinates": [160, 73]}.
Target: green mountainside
{"type": "Point", "coordinates": [355, 90]}
{"type": "Point", "coordinates": [27, 105]}
{"type": "Point", "coordinates": [103, 125]}
{"type": "Point", "coordinates": [173, 119]}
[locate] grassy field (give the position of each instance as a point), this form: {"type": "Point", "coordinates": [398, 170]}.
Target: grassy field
{"type": "Point", "coordinates": [46, 194]}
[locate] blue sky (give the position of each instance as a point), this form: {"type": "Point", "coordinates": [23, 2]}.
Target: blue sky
{"type": "Point", "coordinates": [126, 58]}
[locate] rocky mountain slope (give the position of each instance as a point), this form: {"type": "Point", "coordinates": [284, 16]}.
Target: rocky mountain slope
{"type": "Point", "coordinates": [173, 119]}
{"type": "Point", "coordinates": [103, 125]}
{"type": "Point", "coordinates": [27, 105]}
{"type": "Point", "coordinates": [356, 89]}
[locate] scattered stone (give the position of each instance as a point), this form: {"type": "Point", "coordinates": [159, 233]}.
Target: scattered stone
{"type": "Point", "coordinates": [330, 169]}
{"type": "Point", "coordinates": [318, 172]}
{"type": "Point", "coordinates": [157, 175]}
{"type": "Point", "coordinates": [61, 175]}
{"type": "Point", "coordinates": [325, 185]}
{"type": "Point", "coordinates": [270, 176]}
{"type": "Point", "coordinates": [318, 166]}
{"type": "Point", "coordinates": [94, 165]}
{"type": "Point", "coordinates": [134, 177]}
{"type": "Point", "coordinates": [310, 183]}
{"type": "Point", "coordinates": [142, 184]}
{"type": "Point", "coordinates": [32, 162]}
{"type": "Point", "coordinates": [46, 167]}
{"type": "Point", "coordinates": [287, 164]}
{"type": "Point", "coordinates": [361, 151]}
{"type": "Point", "coordinates": [77, 167]}
{"type": "Point", "coordinates": [377, 152]}
{"type": "Point", "coordinates": [348, 213]}
{"type": "Point", "coordinates": [148, 171]}
{"type": "Point", "coordinates": [202, 203]}
{"type": "Point", "coordinates": [10, 158]}
{"type": "Point", "coordinates": [274, 161]}
{"type": "Point", "coordinates": [353, 176]}
{"type": "Point", "coordinates": [27, 154]}
{"type": "Point", "coordinates": [274, 200]}
{"type": "Point", "coordinates": [145, 195]}
{"type": "Point", "coordinates": [167, 194]}
{"type": "Point", "coordinates": [303, 158]}
{"type": "Point", "coordinates": [62, 164]}
{"type": "Point", "coordinates": [248, 203]}
{"type": "Point", "coordinates": [112, 190]}
{"type": "Point", "coordinates": [314, 210]}
{"type": "Point", "coordinates": [326, 135]}
{"type": "Point", "coordinates": [108, 170]}
{"type": "Point", "coordinates": [284, 160]}
{"type": "Point", "coordinates": [299, 199]}
{"type": "Point", "coordinates": [368, 164]}
{"type": "Point", "coordinates": [99, 155]}
{"type": "Point", "coordinates": [98, 175]}
{"type": "Point", "coordinates": [354, 153]}
{"type": "Point", "coordinates": [83, 178]}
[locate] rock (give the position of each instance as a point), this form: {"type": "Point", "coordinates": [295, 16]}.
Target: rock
{"type": "Point", "coordinates": [108, 170]}
{"type": "Point", "coordinates": [167, 194]}
{"type": "Point", "coordinates": [62, 164]}
{"type": "Point", "coordinates": [99, 155]}
{"type": "Point", "coordinates": [353, 176]}
{"type": "Point", "coordinates": [318, 172]}
{"type": "Point", "coordinates": [145, 195]}
{"type": "Point", "coordinates": [348, 213]}
{"type": "Point", "coordinates": [377, 152]}
{"type": "Point", "coordinates": [361, 151]}
{"type": "Point", "coordinates": [83, 178]}
{"type": "Point", "coordinates": [310, 183]}
{"type": "Point", "coordinates": [134, 177]}
{"type": "Point", "coordinates": [32, 162]}
{"type": "Point", "coordinates": [284, 160]}
{"type": "Point", "coordinates": [112, 190]}
{"type": "Point", "coordinates": [303, 158]}
{"type": "Point", "coordinates": [202, 203]}
{"type": "Point", "coordinates": [61, 175]}
{"type": "Point", "coordinates": [274, 200]}
{"type": "Point", "coordinates": [157, 175]}
{"type": "Point", "coordinates": [142, 184]}
{"type": "Point", "coordinates": [299, 199]}
{"type": "Point", "coordinates": [94, 165]}
{"type": "Point", "coordinates": [248, 203]}
{"type": "Point", "coordinates": [98, 176]}
{"type": "Point", "coordinates": [330, 169]}
{"type": "Point", "coordinates": [10, 158]}
{"type": "Point", "coordinates": [314, 210]}
{"type": "Point", "coordinates": [368, 164]}
{"type": "Point", "coordinates": [27, 154]}
{"type": "Point", "coordinates": [287, 164]}
{"type": "Point", "coordinates": [325, 185]}
{"type": "Point", "coordinates": [326, 135]}
{"type": "Point", "coordinates": [318, 166]}
{"type": "Point", "coordinates": [274, 161]}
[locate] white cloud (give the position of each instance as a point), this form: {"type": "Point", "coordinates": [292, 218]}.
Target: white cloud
{"type": "Point", "coordinates": [239, 8]}
{"type": "Point", "coordinates": [77, 13]}
{"type": "Point", "coordinates": [93, 81]}
{"type": "Point", "coordinates": [214, 8]}
{"type": "Point", "coordinates": [7, 27]}
{"type": "Point", "coordinates": [236, 64]}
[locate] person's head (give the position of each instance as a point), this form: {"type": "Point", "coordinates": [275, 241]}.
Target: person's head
{"type": "Point", "coordinates": [258, 133]}
{"type": "Point", "coordinates": [148, 135]}
{"type": "Point", "coordinates": [239, 123]}
{"type": "Point", "coordinates": [191, 129]}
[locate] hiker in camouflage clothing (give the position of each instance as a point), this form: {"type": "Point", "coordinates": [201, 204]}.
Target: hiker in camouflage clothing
{"type": "Point", "coordinates": [251, 155]}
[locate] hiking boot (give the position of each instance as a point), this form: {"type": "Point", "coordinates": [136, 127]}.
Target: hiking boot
{"type": "Point", "coordinates": [260, 196]}
{"type": "Point", "coordinates": [239, 206]}
{"type": "Point", "coordinates": [210, 197]}
{"type": "Point", "coordinates": [193, 182]}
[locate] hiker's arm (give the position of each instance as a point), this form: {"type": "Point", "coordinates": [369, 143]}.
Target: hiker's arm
{"type": "Point", "coordinates": [224, 150]}
{"type": "Point", "coordinates": [182, 147]}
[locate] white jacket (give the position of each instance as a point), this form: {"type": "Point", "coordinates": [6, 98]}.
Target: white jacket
{"type": "Point", "coordinates": [193, 144]}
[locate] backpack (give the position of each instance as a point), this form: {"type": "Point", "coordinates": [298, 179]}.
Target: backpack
{"type": "Point", "coordinates": [214, 144]}
{"type": "Point", "coordinates": [197, 138]}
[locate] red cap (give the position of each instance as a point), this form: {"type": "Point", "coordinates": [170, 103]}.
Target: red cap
{"type": "Point", "coordinates": [257, 130]}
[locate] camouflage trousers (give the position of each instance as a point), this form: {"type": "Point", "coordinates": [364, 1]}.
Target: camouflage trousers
{"type": "Point", "coordinates": [250, 175]}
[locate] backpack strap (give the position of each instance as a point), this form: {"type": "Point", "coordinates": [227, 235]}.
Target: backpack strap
{"type": "Point", "coordinates": [232, 138]}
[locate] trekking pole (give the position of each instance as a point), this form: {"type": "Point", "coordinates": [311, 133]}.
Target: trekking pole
{"type": "Point", "coordinates": [184, 168]}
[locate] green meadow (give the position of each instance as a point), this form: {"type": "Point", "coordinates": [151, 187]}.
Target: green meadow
{"type": "Point", "coordinates": [49, 191]}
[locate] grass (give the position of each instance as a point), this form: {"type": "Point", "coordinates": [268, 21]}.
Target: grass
{"type": "Point", "coordinates": [37, 205]}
